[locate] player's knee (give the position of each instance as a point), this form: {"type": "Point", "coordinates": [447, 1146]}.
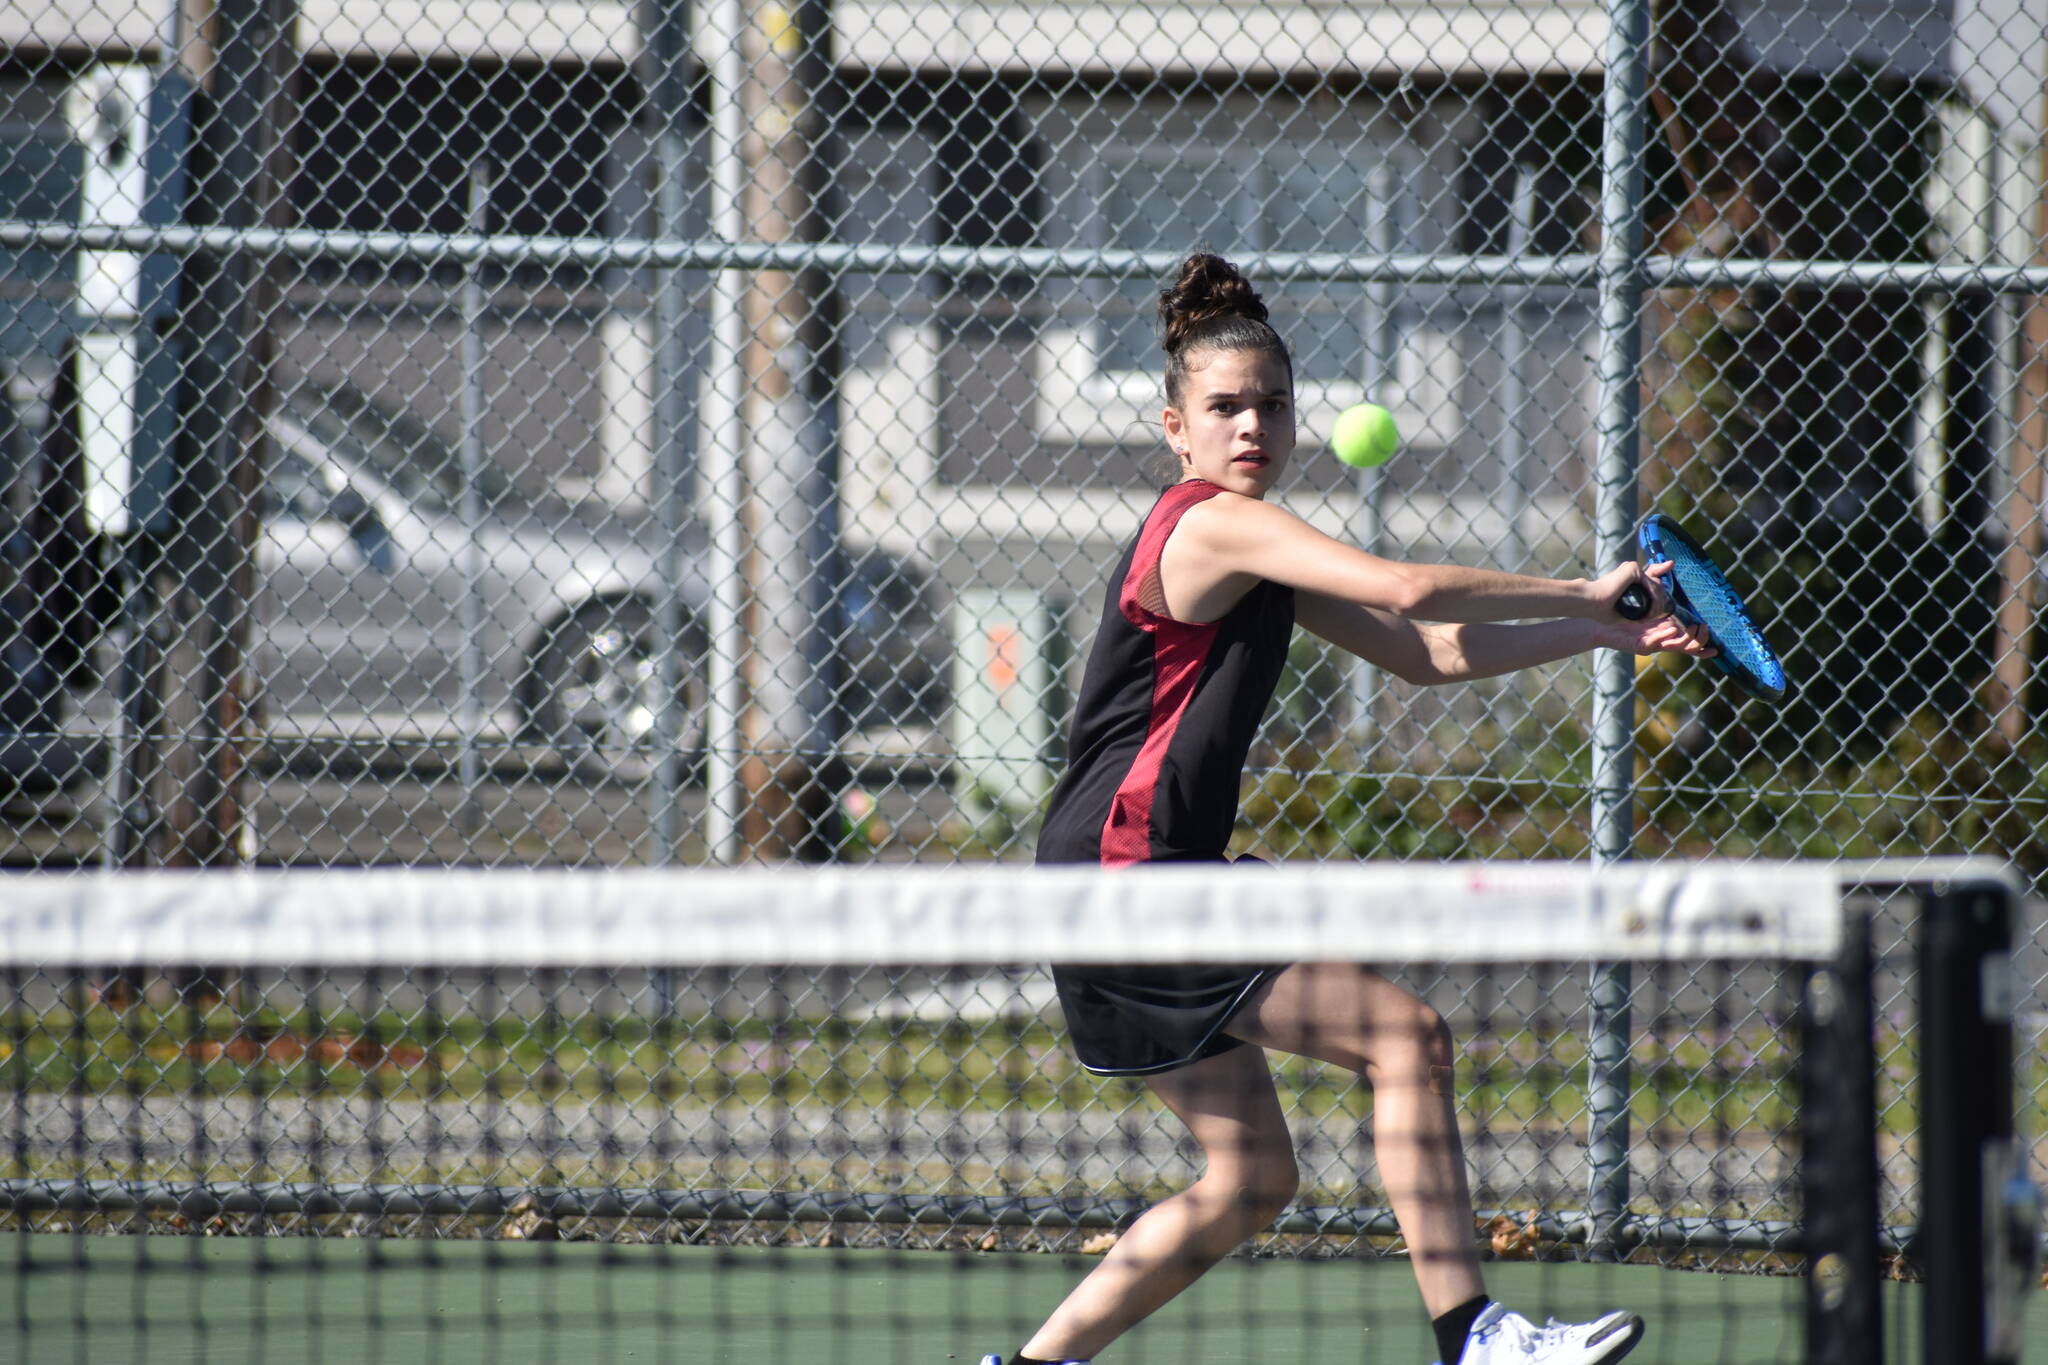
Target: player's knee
{"type": "Point", "coordinates": [1269, 1196]}
{"type": "Point", "coordinates": [1261, 1183]}
{"type": "Point", "coordinates": [1409, 1043]}
{"type": "Point", "coordinates": [1419, 1030]}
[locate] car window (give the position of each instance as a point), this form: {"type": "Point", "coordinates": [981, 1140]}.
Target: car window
{"type": "Point", "coordinates": [405, 452]}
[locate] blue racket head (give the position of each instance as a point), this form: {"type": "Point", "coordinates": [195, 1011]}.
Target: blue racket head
{"type": "Point", "coordinates": [1701, 595]}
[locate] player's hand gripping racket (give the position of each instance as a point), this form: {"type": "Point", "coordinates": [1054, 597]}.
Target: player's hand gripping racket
{"type": "Point", "coordinates": [1702, 596]}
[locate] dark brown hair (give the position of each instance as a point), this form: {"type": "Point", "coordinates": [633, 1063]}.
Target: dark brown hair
{"type": "Point", "coordinates": [1212, 307]}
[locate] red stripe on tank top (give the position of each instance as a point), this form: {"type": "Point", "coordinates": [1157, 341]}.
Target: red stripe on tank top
{"type": "Point", "coordinates": [1179, 649]}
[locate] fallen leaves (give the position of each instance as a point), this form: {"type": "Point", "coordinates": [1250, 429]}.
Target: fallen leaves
{"type": "Point", "coordinates": [289, 1049]}
{"type": "Point", "coordinates": [526, 1221]}
{"type": "Point", "coordinates": [1512, 1241]}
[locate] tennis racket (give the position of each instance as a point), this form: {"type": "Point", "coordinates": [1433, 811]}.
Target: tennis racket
{"type": "Point", "coordinates": [1702, 596]}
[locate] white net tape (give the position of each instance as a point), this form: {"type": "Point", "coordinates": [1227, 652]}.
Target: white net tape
{"type": "Point", "coordinates": [1472, 913]}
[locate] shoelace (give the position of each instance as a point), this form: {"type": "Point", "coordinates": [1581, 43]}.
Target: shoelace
{"type": "Point", "coordinates": [1523, 1336]}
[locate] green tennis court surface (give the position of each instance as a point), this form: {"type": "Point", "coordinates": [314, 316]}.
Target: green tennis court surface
{"type": "Point", "coordinates": [107, 1300]}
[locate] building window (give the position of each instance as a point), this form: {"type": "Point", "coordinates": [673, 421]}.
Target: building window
{"type": "Point", "coordinates": [1099, 365]}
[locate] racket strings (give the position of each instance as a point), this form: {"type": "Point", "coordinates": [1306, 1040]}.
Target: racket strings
{"type": "Point", "coordinates": [1702, 594]}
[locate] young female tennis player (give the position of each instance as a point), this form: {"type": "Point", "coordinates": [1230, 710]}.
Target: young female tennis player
{"type": "Point", "coordinates": [1194, 633]}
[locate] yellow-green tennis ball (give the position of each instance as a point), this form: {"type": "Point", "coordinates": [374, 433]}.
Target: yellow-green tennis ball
{"type": "Point", "coordinates": [1364, 435]}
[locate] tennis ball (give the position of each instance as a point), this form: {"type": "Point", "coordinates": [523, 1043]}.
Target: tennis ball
{"type": "Point", "coordinates": [1364, 435]}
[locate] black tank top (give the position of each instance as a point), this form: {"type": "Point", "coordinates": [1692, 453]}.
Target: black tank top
{"type": "Point", "coordinates": [1166, 714]}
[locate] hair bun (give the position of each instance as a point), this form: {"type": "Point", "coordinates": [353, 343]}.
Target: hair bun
{"type": "Point", "coordinates": [1209, 289]}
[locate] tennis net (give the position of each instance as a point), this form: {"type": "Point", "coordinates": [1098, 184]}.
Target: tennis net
{"type": "Point", "coordinates": [831, 1115]}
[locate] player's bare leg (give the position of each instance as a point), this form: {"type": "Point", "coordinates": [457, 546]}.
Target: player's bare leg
{"type": "Point", "coordinates": [1357, 1019]}
{"type": "Point", "coordinates": [1248, 1177]}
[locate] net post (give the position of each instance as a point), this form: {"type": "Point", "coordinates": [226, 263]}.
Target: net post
{"type": "Point", "coordinates": [1838, 1156]}
{"type": "Point", "coordinates": [1979, 1214]}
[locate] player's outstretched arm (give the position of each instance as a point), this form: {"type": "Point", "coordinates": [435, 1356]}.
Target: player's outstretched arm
{"type": "Point", "coordinates": [1229, 538]}
{"type": "Point", "coordinates": [1428, 654]}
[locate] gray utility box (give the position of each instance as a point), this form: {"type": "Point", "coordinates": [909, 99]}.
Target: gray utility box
{"type": "Point", "coordinates": [1010, 701]}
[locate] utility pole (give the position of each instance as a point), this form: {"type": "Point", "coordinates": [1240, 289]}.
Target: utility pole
{"type": "Point", "coordinates": [789, 770]}
{"type": "Point", "coordinates": [2012, 651]}
{"type": "Point", "coordinates": [240, 55]}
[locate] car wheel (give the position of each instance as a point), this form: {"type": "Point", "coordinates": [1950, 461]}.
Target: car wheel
{"type": "Point", "coordinates": [594, 690]}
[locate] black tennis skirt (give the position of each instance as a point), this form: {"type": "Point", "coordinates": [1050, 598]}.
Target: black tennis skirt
{"type": "Point", "coordinates": [1137, 1020]}
{"type": "Point", "coordinates": [1133, 1021]}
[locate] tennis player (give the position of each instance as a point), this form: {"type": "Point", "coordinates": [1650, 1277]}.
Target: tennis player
{"type": "Point", "coordinates": [1194, 634]}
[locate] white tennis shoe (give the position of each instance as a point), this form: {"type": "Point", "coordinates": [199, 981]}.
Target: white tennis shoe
{"type": "Point", "coordinates": [1503, 1338]}
{"type": "Point", "coordinates": [998, 1360]}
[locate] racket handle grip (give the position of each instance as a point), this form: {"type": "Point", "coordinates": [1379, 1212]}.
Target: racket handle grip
{"type": "Point", "coordinates": [1634, 602]}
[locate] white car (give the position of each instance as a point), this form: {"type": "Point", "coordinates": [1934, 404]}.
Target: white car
{"type": "Point", "coordinates": [365, 563]}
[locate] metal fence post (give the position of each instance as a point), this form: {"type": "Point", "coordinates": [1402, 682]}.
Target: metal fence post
{"type": "Point", "coordinates": [1621, 290]}
{"type": "Point", "coordinates": [816, 362]}
{"type": "Point", "coordinates": [471, 450]}
{"type": "Point", "coordinates": [1378, 374]}
{"type": "Point", "coordinates": [1514, 359]}
{"type": "Point", "coordinates": [721, 455]}
{"type": "Point", "coordinates": [668, 81]}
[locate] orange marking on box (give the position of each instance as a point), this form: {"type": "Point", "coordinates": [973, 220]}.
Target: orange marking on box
{"type": "Point", "coordinates": [1004, 646]}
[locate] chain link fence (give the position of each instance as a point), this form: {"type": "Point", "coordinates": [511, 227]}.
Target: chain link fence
{"type": "Point", "coordinates": [595, 434]}
{"type": "Point", "coordinates": [899, 1107]}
